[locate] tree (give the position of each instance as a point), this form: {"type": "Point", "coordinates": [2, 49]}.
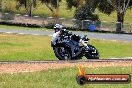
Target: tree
{"type": "Point", "coordinates": [85, 16]}
{"type": "Point", "coordinates": [121, 7]}
{"type": "Point", "coordinates": [28, 4]}
{"type": "Point", "coordinates": [108, 6]}
{"type": "Point", "coordinates": [86, 12]}
{"type": "Point", "coordinates": [1, 5]}
{"type": "Point", "coordinates": [74, 3]}
{"type": "Point", "coordinates": [53, 6]}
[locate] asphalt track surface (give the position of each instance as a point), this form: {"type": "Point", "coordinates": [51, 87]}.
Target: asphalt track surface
{"type": "Point", "coordinates": [115, 37]}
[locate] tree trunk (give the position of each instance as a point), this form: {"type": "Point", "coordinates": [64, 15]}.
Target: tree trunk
{"type": "Point", "coordinates": [1, 5]}
{"type": "Point", "coordinates": [120, 20]}
{"type": "Point", "coordinates": [30, 10]}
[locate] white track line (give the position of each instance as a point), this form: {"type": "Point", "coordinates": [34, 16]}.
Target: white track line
{"type": "Point", "coordinates": [35, 34]}
{"type": "Point", "coordinates": [8, 32]}
{"type": "Point", "coordinates": [49, 35]}
{"type": "Point", "coordinates": [21, 33]}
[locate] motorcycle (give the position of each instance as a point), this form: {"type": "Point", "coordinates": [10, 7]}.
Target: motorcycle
{"type": "Point", "coordinates": [69, 46]}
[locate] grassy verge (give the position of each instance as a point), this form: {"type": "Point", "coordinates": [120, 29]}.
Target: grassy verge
{"type": "Point", "coordinates": [110, 49]}
{"type": "Point", "coordinates": [28, 47]}
{"type": "Point", "coordinates": [61, 78]}
{"type": "Point", "coordinates": [25, 47]}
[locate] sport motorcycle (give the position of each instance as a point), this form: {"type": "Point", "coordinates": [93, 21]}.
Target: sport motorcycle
{"type": "Point", "coordinates": [69, 46]}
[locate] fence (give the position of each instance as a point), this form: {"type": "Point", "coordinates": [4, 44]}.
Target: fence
{"type": "Point", "coordinates": [73, 23]}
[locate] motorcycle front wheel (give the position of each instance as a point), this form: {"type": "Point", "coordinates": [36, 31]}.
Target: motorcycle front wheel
{"type": "Point", "coordinates": [62, 53]}
{"type": "Point", "coordinates": [92, 54]}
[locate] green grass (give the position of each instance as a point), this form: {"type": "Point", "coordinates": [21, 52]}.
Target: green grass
{"type": "Point", "coordinates": [112, 17]}
{"type": "Point", "coordinates": [25, 47]}
{"type": "Point", "coordinates": [110, 49]}
{"type": "Point", "coordinates": [61, 78]}
{"type": "Point", "coordinates": [15, 47]}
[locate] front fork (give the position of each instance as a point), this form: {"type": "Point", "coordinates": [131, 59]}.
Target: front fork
{"type": "Point", "coordinates": [84, 44]}
{"type": "Point", "coordinates": [87, 47]}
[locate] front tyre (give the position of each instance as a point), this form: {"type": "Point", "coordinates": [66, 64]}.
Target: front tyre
{"type": "Point", "coordinates": [89, 56]}
{"type": "Point", "coordinates": [62, 53]}
{"type": "Point", "coordinates": [92, 53]}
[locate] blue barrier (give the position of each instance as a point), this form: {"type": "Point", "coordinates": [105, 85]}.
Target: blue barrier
{"type": "Point", "coordinates": [92, 27]}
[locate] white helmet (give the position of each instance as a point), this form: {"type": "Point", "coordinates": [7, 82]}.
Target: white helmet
{"type": "Point", "coordinates": [57, 27]}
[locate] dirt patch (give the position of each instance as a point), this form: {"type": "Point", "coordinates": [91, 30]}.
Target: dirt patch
{"type": "Point", "coordinates": [33, 67]}
{"type": "Point", "coordinates": [4, 34]}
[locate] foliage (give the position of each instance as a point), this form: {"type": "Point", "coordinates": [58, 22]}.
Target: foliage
{"type": "Point", "coordinates": [28, 4]}
{"type": "Point", "coordinates": [53, 3]}
{"type": "Point", "coordinates": [50, 25]}
{"type": "Point", "coordinates": [85, 12]}
{"type": "Point", "coordinates": [105, 7]}
{"type": "Point", "coordinates": [53, 6]}
{"type": "Point", "coordinates": [73, 3]}
{"type": "Point", "coordinates": [7, 17]}
{"type": "Point", "coordinates": [0, 5]}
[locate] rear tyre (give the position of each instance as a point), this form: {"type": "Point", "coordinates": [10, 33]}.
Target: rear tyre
{"type": "Point", "coordinates": [62, 53]}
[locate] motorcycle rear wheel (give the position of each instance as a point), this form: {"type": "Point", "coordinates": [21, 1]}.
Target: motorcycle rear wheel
{"type": "Point", "coordinates": [62, 53]}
